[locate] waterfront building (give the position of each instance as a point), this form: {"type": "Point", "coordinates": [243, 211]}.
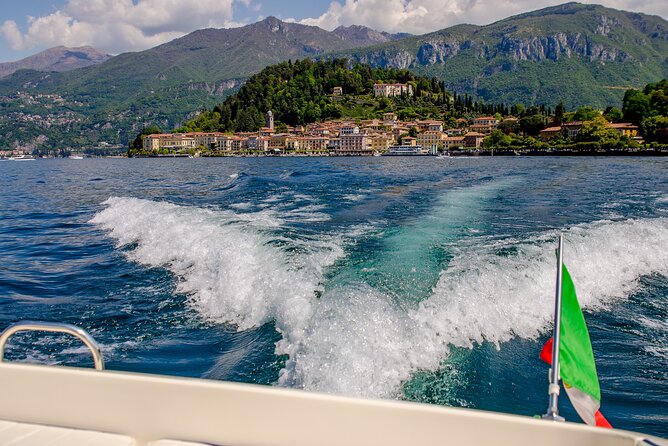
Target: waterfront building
{"type": "Point", "coordinates": [473, 139]}
{"type": "Point", "coordinates": [626, 129]}
{"type": "Point", "coordinates": [453, 143]}
{"type": "Point", "coordinates": [355, 144]}
{"type": "Point", "coordinates": [571, 129]}
{"type": "Point", "coordinates": [277, 141]}
{"type": "Point", "coordinates": [431, 139]}
{"type": "Point", "coordinates": [380, 142]}
{"type": "Point", "coordinates": [550, 133]}
{"type": "Point", "coordinates": [224, 143]}
{"type": "Point", "coordinates": [170, 141]}
{"type": "Point", "coordinates": [238, 143]}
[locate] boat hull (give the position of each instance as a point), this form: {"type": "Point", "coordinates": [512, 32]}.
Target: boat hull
{"type": "Point", "coordinates": [149, 408]}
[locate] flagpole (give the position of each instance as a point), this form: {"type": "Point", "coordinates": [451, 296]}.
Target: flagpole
{"type": "Point", "coordinates": [553, 408]}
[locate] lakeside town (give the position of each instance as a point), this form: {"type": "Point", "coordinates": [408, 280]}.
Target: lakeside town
{"type": "Point", "coordinates": [359, 137]}
{"type": "Point", "coordinates": [388, 135]}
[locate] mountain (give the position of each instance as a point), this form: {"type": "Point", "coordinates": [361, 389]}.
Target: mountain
{"type": "Point", "coordinates": [164, 85]}
{"type": "Point", "coordinates": [581, 54]}
{"type": "Point", "coordinates": [363, 36]}
{"type": "Point", "coordinates": [59, 58]}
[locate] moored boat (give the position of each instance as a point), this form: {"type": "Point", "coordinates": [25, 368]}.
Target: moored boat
{"type": "Point", "coordinates": [21, 158]}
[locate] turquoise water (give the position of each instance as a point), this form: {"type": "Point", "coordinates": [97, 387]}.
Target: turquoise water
{"type": "Point", "coordinates": [411, 278]}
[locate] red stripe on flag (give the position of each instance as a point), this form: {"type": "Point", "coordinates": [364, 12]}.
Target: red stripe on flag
{"type": "Point", "coordinates": [601, 421]}
{"type": "Point", "coordinates": [546, 352]}
{"type": "Point", "coordinates": [546, 356]}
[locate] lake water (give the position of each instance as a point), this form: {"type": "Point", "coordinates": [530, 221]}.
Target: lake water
{"type": "Point", "coordinates": [413, 278]}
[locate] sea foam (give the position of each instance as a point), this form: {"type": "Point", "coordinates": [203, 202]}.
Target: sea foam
{"type": "Point", "coordinates": [231, 266]}
{"type": "Point", "coordinates": [362, 343]}
{"type": "Point", "coordinates": [359, 339]}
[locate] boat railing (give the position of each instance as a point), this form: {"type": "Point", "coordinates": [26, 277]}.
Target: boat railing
{"type": "Point", "coordinates": [53, 327]}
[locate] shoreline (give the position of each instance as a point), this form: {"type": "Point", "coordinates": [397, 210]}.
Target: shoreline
{"type": "Point", "coordinates": [451, 154]}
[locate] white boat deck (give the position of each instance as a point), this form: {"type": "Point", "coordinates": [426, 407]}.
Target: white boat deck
{"type": "Point", "coordinates": [24, 434]}
{"type": "Point", "coordinates": [42, 405]}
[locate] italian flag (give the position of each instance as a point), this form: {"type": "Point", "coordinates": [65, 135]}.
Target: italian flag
{"type": "Point", "coordinates": [576, 358]}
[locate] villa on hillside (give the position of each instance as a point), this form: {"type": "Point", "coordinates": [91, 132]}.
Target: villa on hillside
{"type": "Point", "coordinates": [391, 90]}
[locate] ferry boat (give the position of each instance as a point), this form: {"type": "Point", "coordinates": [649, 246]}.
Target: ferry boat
{"type": "Point", "coordinates": [406, 151]}
{"type": "Point", "coordinates": [21, 158]}
{"type": "Point", "coordinates": [55, 405]}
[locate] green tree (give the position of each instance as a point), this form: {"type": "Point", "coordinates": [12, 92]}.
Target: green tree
{"type": "Point", "coordinates": [559, 111]}
{"type": "Point", "coordinates": [586, 114]}
{"type": "Point", "coordinates": [497, 139]}
{"type": "Point", "coordinates": [613, 114]}
{"type": "Point", "coordinates": [509, 126]}
{"type": "Point", "coordinates": [635, 106]}
{"type": "Point", "coordinates": [517, 110]}
{"type": "Point", "coordinates": [652, 125]}
{"type": "Point", "coordinates": [249, 119]}
{"type": "Point", "coordinates": [450, 122]}
{"type": "Point", "coordinates": [532, 124]}
{"type": "Point", "coordinates": [599, 131]}
{"type": "Point", "coordinates": [384, 104]}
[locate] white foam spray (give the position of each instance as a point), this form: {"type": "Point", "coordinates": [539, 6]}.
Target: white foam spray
{"type": "Point", "coordinates": [230, 265]}
{"type": "Point", "coordinates": [361, 343]}
{"type": "Point", "coordinates": [355, 339]}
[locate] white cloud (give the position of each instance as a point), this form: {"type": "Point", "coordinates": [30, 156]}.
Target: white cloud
{"type": "Point", "coordinates": [422, 16]}
{"type": "Point", "coordinates": [118, 25]}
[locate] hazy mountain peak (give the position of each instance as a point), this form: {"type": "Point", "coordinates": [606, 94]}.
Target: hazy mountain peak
{"type": "Point", "coordinates": [365, 35]}
{"type": "Point", "coordinates": [59, 58]}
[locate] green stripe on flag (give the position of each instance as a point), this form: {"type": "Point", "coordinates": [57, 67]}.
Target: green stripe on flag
{"type": "Point", "coordinates": [576, 357]}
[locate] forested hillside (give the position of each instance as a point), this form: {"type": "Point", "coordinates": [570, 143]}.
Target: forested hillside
{"type": "Point", "coordinates": [301, 92]}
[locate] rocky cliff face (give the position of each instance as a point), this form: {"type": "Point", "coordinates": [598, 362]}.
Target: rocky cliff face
{"type": "Point", "coordinates": [559, 45]}
{"type": "Point", "coordinates": [581, 54]}
{"type": "Point", "coordinates": [437, 51]}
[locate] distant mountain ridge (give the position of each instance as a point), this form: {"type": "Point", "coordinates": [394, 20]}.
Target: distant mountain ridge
{"type": "Point", "coordinates": [364, 36]}
{"type": "Point", "coordinates": [59, 58]}
{"type": "Point", "coordinates": [581, 54]}
{"type": "Point", "coordinates": [163, 85]}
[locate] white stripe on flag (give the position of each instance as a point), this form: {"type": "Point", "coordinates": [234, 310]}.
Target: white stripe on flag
{"type": "Point", "coordinates": [585, 405]}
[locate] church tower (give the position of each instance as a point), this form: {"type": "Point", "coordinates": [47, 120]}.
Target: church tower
{"type": "Point", "coordinates": [269, 120]}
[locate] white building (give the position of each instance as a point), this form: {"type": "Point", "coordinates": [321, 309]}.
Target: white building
{"type": "Point", "coordinates": [390, 90]}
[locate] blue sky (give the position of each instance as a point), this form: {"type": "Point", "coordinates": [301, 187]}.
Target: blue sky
{"type": "Point", "coordinates": [115, 26]}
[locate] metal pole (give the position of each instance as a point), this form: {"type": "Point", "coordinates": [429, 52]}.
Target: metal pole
{"type": "Point", "coordinates": [553, 408]}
